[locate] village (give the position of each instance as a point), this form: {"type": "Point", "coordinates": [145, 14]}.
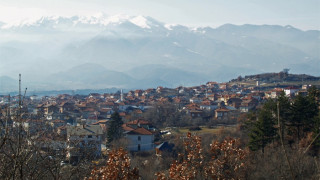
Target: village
{"type": "Point", "coordinates": [70, 126]}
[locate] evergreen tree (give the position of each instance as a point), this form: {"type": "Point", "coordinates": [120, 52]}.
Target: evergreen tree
{"type": "Point", "coordinates": [115, 130]}
{"type": "Point", "coordinates": [314, 95]}
{"type": "Point", "coordinates": [263, 130]}
{"type": "Point", "coordinates": [303, 113]}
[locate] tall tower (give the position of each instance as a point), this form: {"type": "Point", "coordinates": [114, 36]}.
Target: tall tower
{"type": "Point", "coordinates": [121, 95]}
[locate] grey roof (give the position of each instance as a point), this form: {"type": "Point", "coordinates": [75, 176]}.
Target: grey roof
{"type": "Point", "coordinates": [84, 130]}
{"type": "Point", "coordinates": [231, 108]}
{"type": "Point", "coordinates": [165, 146]}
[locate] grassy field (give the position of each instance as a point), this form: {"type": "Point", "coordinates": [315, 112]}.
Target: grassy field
{"type": "Point", "coordinates": [204, 130]}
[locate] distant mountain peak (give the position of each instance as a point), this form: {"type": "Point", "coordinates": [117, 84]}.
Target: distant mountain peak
{"type": "Point", "coordinates": [170, 26]}
{"type": "Point", "coordinates": [101, 19]}
{"type": "Point", "coordinates": [288, 26]}
{"type": "Point", "coordinates": [140, 21]}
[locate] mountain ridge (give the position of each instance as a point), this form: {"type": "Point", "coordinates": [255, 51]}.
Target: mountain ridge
{"type": "Point", "coordinates": [51, 45]}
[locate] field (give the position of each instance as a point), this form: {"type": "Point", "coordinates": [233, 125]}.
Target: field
{"type": "Point", "coordinates": [204, 130]}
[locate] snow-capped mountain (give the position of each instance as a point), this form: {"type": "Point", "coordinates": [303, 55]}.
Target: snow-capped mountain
{"type": "Point", "coordinates": [82, 22]}
{"type": "Point", "coordinates": [132, 44]}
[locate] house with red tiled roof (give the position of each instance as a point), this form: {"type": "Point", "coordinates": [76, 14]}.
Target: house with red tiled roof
{"type": "Point", "coordinates": [140, 134]}
{"type": "Point", "coordinates": [212, 85]}
{"type": "Point", "coordinates": [138, 93]}
{"type": "Point", "coordinates": [208, 105]}
{"type": "Point", "coordinates": [212, 97]}
{"type": "Point", "coordinates": [140, 139]}
{"type": "Point", "coordinates": [103, 124]}
{"type": "Point", "coordinates": [195, 100]}
{"type": "Point", "coordinates": [82, 105]}
{"type": "Point", "coordinates": [276, 92]}
{"type": "Point", "coordinates": [223, 86]}
{"type": "Point", "coordinates": [140, 123]}
{"type": "Point", "coordinates": [49, 108]}
{"type": "Point", "coordinates": [196, 113]}
{"type": "Point", "coordinates": [221, 113]}
{"type": "Point", "coordinates": [290, 91]}
{"type": "Point", "coordinates": [66, 106]}
{"type": "Point", "coordinates": [248, 104]}
{"type": "Point", "coordinates": [127, 128]}
{"type": "Point", "coordinates": [192, 106]}
{"type": "Point", "coordinates": [234, 102]}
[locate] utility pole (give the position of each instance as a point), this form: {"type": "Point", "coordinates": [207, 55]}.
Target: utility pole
{"type": "Point", "coordinates": [19, 90]}
{"type": "Point", "coordinates": [281, 139]}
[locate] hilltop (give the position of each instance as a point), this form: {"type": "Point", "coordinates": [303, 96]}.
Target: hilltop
{"type": "Point", "coordinates": [282, 78]}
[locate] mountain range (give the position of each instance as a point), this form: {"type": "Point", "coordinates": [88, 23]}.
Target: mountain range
{"type": "Point", "coordinates": [140, 52]}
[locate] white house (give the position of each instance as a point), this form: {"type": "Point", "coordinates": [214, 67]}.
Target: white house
{"type": "Point", "coordinates": [289, 91]}
{"type": "Point", "coordinates": [140, 139]}
{"type": "Point", "coordinates": [140, 135]}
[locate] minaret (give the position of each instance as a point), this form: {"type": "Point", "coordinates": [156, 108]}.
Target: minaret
{"type": "Point", "coordinates": [121, 96]}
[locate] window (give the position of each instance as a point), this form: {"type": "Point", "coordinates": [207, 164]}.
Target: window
{"type": "Point", "coordinates": [139, 147]}
{"type": "Point", "coordinates": [89, 136]}
{"type": "Point", "coordinates": [139, 138]}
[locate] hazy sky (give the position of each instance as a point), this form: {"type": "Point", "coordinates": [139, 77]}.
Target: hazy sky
{"type": "Point", "coordinates": [303, 14]}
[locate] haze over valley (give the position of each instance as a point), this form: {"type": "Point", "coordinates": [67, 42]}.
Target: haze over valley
{"type": "Point", "coordinates": [122, 51]}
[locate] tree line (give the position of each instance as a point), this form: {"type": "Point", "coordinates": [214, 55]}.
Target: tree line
{"type": "Point", "coordinates": [285, 120]}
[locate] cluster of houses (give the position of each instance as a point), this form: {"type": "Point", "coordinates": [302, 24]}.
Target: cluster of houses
{"type": "Point", "coordinates": [79, 123]}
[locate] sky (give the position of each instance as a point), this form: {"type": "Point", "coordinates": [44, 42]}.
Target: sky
{"type": "Point", "coordinates": [303, 14]}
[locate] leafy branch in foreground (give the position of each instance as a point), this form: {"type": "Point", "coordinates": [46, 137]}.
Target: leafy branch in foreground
{"type": "Point", "coordinates": [117, 167]}
{"type": "Point", "coordinates": [227, 161]}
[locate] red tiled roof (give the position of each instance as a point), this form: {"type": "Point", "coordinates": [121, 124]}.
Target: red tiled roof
{"type": "Point", "coordinates": [137, 121]}
{"type": "Point", "coordinates": [206, 103]}
{"type": "Point", "coordinates": [109, 103]}
{"type": "Point", "coordinates": [222, 110]}
{"type": "Point", "coordinates": [291, 87]}
{"type": "Point", "coordinates": [121, 104]}
{"type": "Point", "coordinates": [127, 128]}
{"type": "Point", "coordinates": [192, 106]}
{"type": "Point", "coordinates": [277, 90]}
{"type": "Point", "coordinates": [141, 131]}
{"type": "Point", "coordinates": [105, 109]}
{"type": "Point", "coordinates": [89, 109]}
